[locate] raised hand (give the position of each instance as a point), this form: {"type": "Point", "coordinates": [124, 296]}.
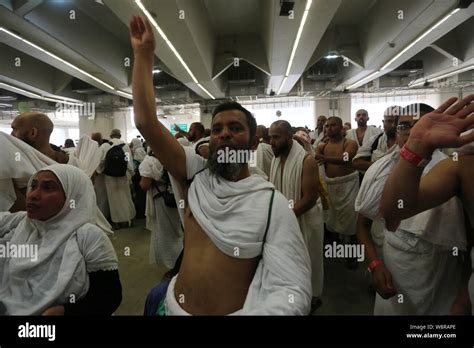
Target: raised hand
{"type": "Point", "coordinates": [141, 35]}
{"type": "Point", "coordinates": [442, 127]}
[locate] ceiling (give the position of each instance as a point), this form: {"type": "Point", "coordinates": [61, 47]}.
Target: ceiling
{"type": "Point", "coordinates": [79, 50]}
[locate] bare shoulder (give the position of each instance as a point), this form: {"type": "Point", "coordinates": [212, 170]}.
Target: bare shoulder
{"type": "Point", "coordinates": [309, 162]}
{"type": "Point", "coordinates": [350, 143]}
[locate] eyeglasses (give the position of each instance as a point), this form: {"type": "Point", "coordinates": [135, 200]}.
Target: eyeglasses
{"type": "Point", "coordinates": [404, 126]}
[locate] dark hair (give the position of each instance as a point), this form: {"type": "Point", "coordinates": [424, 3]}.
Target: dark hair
{"type": "Point", "coordinates": [264, 132]}
{"type": "Point", "coordinates": [251, 123]}
{"type": "Point", "coordinates": [285, 125]}
{"type": "Point", "coordinates": [338, 120]}
{"type": "Point", "coordinates": [199, 127]}
{"type": "Point", "coordinates": [207, 132]}
{"type": "Point", "coordinates": [69, 143]}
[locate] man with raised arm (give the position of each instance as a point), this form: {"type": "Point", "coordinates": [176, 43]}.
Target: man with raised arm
{"type": "Point", "coordinates": [244, 252]}
{"type": "Point", "coordinates": [406, 193]}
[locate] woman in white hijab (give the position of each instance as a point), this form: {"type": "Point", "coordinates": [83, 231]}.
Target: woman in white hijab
{"type": "Point", "coordinates": [67, 264]}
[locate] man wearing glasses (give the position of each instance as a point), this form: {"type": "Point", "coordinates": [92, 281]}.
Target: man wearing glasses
{"type": "Point", "coordinates": [422, 266]}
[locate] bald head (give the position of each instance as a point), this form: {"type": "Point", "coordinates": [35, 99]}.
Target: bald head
{"type": "Point", "coordinates": [281, 137]}
{"type": "Point", "coordinates": [362, 116]}
{"type": "Point", "coordinates": [33, 128]}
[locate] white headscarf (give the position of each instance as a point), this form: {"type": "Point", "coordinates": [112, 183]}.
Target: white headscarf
{"type": "Point", "coordinates": [138, 150]}
{"type": "Point", "coordinates": [29, 287]}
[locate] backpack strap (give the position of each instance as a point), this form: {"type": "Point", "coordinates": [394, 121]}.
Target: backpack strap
{"type": "Point", "coordinates": [375, 144]}
{"type": "Point", "coordinates": [189, 181]}
{"type": "Point", "coordinates": [268, 218]}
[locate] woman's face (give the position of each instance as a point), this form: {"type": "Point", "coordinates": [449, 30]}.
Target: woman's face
{"type": "Point", "coordinates": [45, 197]}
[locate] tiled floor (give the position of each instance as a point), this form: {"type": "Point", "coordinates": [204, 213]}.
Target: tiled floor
{"type": "Point", "coordinates": [345, 291]}
{"type": "Point", "coordinates": [137, 275]}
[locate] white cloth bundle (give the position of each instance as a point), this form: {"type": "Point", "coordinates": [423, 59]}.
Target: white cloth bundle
{"type": "Point", "coordinates": [341, 217]}
{"type": "Point", "coordinates": [68, 246]}
{"type": "Point", "coordinates": [88, 154]}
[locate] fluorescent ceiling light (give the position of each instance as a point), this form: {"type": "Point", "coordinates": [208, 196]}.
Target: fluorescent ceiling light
{"type": "Point", "coordinates": [295, 45]}
{"type": "Point", "coordinates": [441, 21]}
{"type": "Point", "coordinates": [156, 71]}
{"type": "Point", "coordinates": [281, 86]}
{"type": "Point", "coordinates": [6, 105]}
{"type": "Point", "coordinates": [123, 94]}
{"type": "Point", "coordinates": [35, 95]}
{"type": "Point", "coordinates": [57, 58]}
{"type": "Point", "coordinates": [331, 56]}
{"type": "Point", "coordinates": [442, 76]}
{"type": "Point", "coordinates": [416, 84]}
{"type": "Point", "coordinates": [467, 68]}
{"type": "Point", "coordinates": [206, 91]}
{"type": "Point", "coordinates": [170, 45]}
{"type": "Point", "coordinates": [365, 79]}
{"type": "Point", "coordinates": [419, 38]}
{"type": "Point", "coordinates": [298, 36]}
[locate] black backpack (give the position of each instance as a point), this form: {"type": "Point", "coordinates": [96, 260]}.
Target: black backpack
{"type": "Point", "coordinates": [375, 144]}
{"type": "Point", "coordinates": [116, 161]}
{"type": "Point", "coordinates": [170, 201]}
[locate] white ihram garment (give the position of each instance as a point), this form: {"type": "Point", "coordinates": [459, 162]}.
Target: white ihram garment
{"type": "Point", "coordinates": [234, 214]}
{"type": "Point", "coordinates": [69, 246]}
{"type": "Point", "coordinates": [311, 222]}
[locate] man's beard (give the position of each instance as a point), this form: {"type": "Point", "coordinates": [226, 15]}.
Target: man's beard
{"type": "Point", "coordinates": [361, 123]}
{"type": "Point", "coordinates": [277, 151]}
{"type": "Point", "coordinates": [24, 138]}
{"type": "Point", "coordinates": [225, 170]}
{"type": "Point", "coordinates": [192, 137]}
